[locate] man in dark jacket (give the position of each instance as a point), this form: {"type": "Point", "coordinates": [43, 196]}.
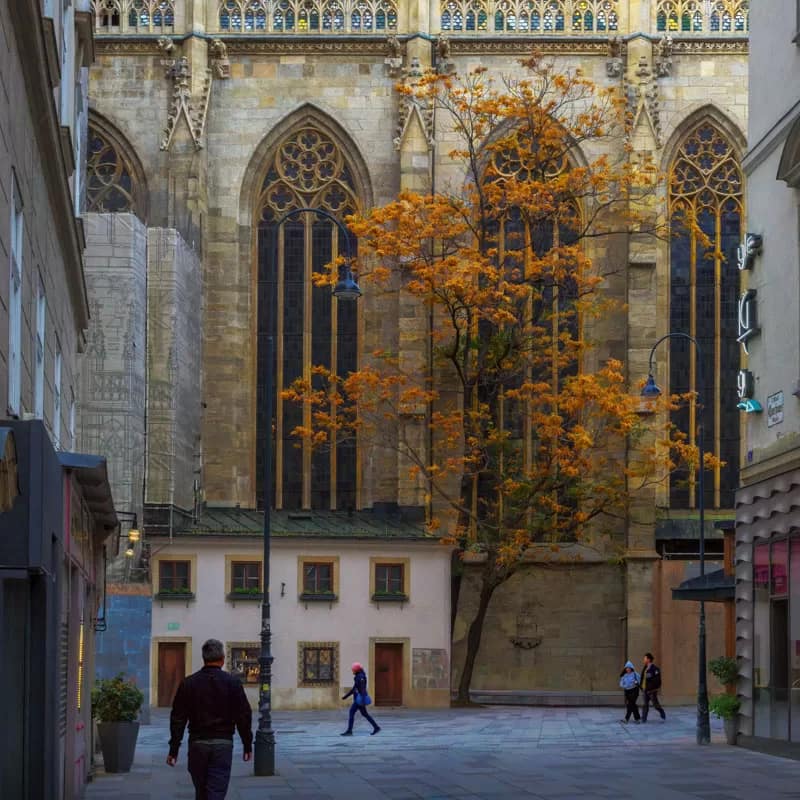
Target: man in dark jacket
{"type": "Point", "coordinates": [213, 703]}
{"type": "Point", "coordinates": [650, 681]}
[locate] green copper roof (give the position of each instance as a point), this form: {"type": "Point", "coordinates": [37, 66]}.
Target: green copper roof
{"type": "Point", "coordinates": [322, 524]}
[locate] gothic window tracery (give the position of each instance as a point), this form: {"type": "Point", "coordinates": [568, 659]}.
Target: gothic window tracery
{"type": "Point", "coordinates": [706, 186]}
{"type": "Point", "coordinates": [521, 237]}
{"type": "Point", "coordinates": [308, 16]}
{"type": "Point", "coordinates": [703, 16]}
{"type": "Point", "coordinates": [110, 179]}
{"type": "Point", "coordinates": [308, 170]}
{"type": "Point", "coordinates": [529, 16]}
{"type": "Point", "coordinates": [134, 16]}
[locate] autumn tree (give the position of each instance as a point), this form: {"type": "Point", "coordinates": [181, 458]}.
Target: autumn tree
{"type": "Point", "coordinates": [529, 428]}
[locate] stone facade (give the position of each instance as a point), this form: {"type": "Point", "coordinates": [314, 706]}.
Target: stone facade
{"type": "Point", "coordinates": [41, 144]}
{"type": "Point", "coordinates": [203, 102]}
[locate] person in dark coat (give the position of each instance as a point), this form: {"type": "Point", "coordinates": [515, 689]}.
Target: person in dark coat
{"type": "Point", "coordinates": [629, 683]}
{"type": "Point", "coordinates": [359, 695]}
{"type": "Point", "coordinates": [650, 681]}
{"type": "Point", "coordinates": [213, 702]}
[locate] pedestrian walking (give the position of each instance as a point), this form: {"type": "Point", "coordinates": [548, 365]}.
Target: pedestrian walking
{"type": "Point", "coordinates": [629, 683]}
{"type": "Point", "coordinates": [650, 682]}
{"type": "Point", "coordinates": [361, 700]}
{"type": "Point", "coordinates": [213, 702]}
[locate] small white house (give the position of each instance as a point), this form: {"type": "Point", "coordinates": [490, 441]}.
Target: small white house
{"type": "Point", "coordinates": [344, 588]}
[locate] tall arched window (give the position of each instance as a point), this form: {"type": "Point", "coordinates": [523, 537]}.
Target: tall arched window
{"type": "Point", "coordinates": [113, 183]}
{"type": "Point", "coordinates": [706, 185]}
{"type": "Point", "coordinates": [547, 312]}
{"type": "Point", "coordinates": [308, 170]}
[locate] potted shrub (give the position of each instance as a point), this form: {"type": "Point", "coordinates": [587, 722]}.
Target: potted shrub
{"type": "Point", "coordinates": [726, 706]}
{"type": "Point", "coordinates": [115, 706]}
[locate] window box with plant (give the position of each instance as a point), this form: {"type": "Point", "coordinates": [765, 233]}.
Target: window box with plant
{"type": "Point", "coordinates": [726, 706]}
{"type": "Point", "coordinates": [244, 593]}
{"type": "Point", "coordinates": [397, 597]}
{"type": "Point", "coordinates": [179, 593]}
{"type": "Point", "coordinates": [115, 705]}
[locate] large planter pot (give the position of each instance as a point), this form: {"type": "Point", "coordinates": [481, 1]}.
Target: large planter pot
{"type": "Point", "coordinates": [118, 744]}
{"type": "Point", "coordinates": [730, 725]}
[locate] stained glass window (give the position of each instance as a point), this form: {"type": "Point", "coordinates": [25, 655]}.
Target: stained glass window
{"type": "Point", "coordinates": [110, 186]}
{"type": "Point", "coordinates": [706, 185]}
{"type": "Point", "coordinates": [307, 326]}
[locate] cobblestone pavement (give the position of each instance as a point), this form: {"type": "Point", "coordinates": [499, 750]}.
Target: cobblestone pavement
{"type": "Point", "coordinates": [500, 752]}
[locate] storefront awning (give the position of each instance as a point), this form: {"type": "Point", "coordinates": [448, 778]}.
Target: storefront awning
{"type": "Point", "coordinates": [9, 483]}
{"type": "Point", "coordinates": [91, 474]}
{"type": "Point", "coordinates": [713, 587]}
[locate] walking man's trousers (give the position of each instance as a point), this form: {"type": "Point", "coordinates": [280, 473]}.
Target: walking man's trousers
{"type": "Point", "coordinates": [210, 768]}
{"type": "Point", "coordinates": [651, 696]}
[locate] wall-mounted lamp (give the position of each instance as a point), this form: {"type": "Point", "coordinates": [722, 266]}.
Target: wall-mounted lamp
{"type": "Point", "coordinates": [129, 552]}
{"type": "Point", "coordinates": [133, 535]}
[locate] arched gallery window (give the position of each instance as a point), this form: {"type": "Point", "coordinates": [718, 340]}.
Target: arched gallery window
{"type": "Point", "coordinates": [706, 184]}
{"type": "Point", "coordinates": [703, 16]}
{"type": "Point", "coordinates": [111, 183]}
{"type": "Point", "coordinates": [308, 170]}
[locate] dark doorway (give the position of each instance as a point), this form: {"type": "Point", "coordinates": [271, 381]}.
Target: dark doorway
{"type": "Point", "coordinates": [171, 670]}
{"type": "Point", "coordinates": [388, 674]}
{"type": "Point", "coordinates": [779, 670]}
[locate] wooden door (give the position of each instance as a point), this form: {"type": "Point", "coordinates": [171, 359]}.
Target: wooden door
{"type": "Point", "coordinates": [388, 674]}
{"type": "Point", "coordinates": [171, 670]}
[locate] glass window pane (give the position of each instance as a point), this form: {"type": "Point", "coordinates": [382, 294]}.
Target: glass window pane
{"type": "Point", "coordinates": [761, 640]}
{"type": "Point", "coordinates": [794, 637]}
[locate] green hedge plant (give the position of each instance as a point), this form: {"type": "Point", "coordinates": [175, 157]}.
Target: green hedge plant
{"type": "Point", "coordinates": [724, 669]}
{"type": "Point", "coordinates": [116, 700]}
{"type": "Point", "coordinates": [725, 706]}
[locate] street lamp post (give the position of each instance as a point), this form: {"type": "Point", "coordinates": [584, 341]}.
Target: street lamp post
{"type": "Point", "coordinates": [346, 288]}
{"type": "Point", "coordinates": [650, 390]}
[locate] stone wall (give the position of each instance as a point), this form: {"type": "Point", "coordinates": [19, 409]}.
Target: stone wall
{"type": "Point", "coordinates": [549, 627]}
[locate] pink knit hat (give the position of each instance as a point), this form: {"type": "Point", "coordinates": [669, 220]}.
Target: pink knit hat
{"type": "Point", "coordinates": [357, 667]}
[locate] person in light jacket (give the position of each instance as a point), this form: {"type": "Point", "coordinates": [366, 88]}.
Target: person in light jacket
{"type": "Point", "coordinates": [629, 683]}
{"type": "Point", "coordinates": [359, 695]}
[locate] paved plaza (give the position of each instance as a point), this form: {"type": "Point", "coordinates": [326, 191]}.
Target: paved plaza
{"type": "Point", "coordinates": [500, 752]}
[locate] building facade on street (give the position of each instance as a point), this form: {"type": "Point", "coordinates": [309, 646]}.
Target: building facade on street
{"type": "Point", "coordinates": [357, 588]}
{"type": "Point", "coordinates": [56, 508]}
{"type": "Point", "coordinates": [767, 517]}
{"type": "Point", "coordinates": [202, 111]}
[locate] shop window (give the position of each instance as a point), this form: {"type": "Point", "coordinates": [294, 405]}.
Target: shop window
{"type": "Point", "coordinates": [761, 627]}
{"type": "Point", "coordinates": [794, 638]}
{"type": "Point", "coordinates": [243, 661]}
{"type": "Point", "coordinates": [317, 663]}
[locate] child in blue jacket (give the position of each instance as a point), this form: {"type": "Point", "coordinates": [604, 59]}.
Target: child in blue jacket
{"type": "Point", "coordinates": [629, 683]}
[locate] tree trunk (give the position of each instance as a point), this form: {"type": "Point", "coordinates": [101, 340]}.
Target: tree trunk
{"type": "Point", "coordinates": [474, 638]}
